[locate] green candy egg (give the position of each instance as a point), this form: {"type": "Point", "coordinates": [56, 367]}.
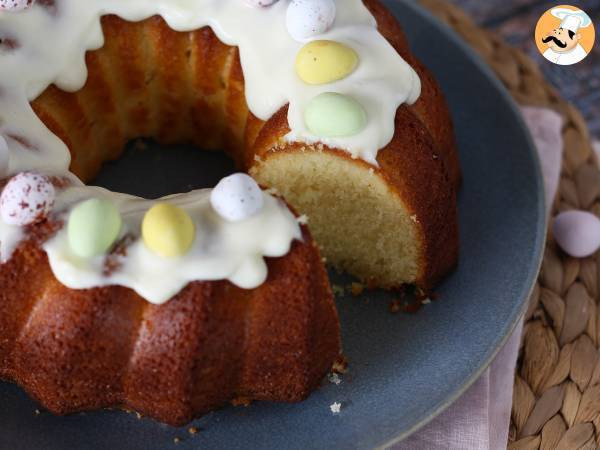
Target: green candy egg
{"type": "Point", "coordinates": [93, 227]}
{"type": "Point", "coordinates": [331, 115]}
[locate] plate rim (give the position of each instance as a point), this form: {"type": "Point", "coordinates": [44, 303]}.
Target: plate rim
{"type": "Point", "coordinates": [541, 225]}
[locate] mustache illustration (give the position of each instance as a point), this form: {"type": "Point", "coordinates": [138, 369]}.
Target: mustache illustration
{"type": "Point", "coordinates": [556, 41]}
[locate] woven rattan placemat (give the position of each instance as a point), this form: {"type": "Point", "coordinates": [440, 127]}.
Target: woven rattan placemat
{"type": "Point", "coordinates": [556, 399]}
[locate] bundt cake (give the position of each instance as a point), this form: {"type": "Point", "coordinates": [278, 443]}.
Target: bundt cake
{"type": "Point", "coordinates": [176, 306]}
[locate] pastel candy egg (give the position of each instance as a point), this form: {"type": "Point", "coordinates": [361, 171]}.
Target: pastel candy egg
{"type": "Point", "coordinates": [26, 199]}
{"type": "Point", "coordinates": [168, 230]}
{"type": "Point", "coordinates": [577, 233]}
{"type": "Point", "coordinates": [93, 227]}
{"type": "Point", "coordinates": [14, 5]}
{"type": "Point", "coordinates": [3, 157]}
{"type": "Point", "coordinates": [308, 18]}
{"type": "Point", "coordinates": [332, 115]}
{"type": "Point", "coordinates": [237, 197]}
{"type": "Point", "coordinates": [260, 3]}
{"type": "Point", "coordinates": [321, 62]}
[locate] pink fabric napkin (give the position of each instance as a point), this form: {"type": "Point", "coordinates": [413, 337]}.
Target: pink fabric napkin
{"type": "Point", "coordinates": [479, 420]}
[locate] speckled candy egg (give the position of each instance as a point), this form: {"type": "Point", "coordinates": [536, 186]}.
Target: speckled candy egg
{"type": "Point", "coordinates": [260, 3]}
{"type": "Point", "coordinates": [27, 198]}
{"type": "Point", "coordinates": [237, 198]}
{"type": "Point", "coordinates": [168, 230]}
{"type": "Point", "coordinates": [3, 157]}
{"type": "Point", "coordinates": [308, 18]}
{"type": "Point", "coordinates": [93, 227]}
{"type": "Point", "coordinates": [577, 233]}
{"type": "Point", "coordinates": [15, 5]}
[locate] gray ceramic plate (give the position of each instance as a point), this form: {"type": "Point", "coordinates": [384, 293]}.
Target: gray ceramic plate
{"type": "Point", "coordinates": [405, 369]}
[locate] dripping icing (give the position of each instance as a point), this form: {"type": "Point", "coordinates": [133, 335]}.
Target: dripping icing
{"type": "Point", "coordinates": [221, 249]}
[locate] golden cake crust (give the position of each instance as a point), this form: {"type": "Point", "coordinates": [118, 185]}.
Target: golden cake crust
{"type": "Point", "coordinates": [77, 350]}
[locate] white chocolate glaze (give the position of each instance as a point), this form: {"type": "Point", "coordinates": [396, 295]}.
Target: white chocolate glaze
{"type": "Point", "coordinates": [51, 43]}
{"type": "Point", "coordinates": [221, 250]}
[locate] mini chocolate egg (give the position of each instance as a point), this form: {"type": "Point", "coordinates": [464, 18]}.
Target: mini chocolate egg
{"type": "Point", "coordinates": [237, 197]}
{"type": "Point", "coordinates": [93, 227]}
{"type": "Point", "coordinates": [308, 18]}
{"type": "Point", "coordinates": [168, 230]}
{"type": "Point", "coordinates": [260, 3]}
{"type": "Point", "coordinates": [3, 157]}
{"type": "Point", "coordinates": [321, 62]}
{"type": "Point", "coordinates": [15, 5]}
{"type": "Point", "coordinates": [577, 233]}
{"type": "Point", "coordinates": [331, 115]}
{"type": "Point", "coordinates": [26, 199]}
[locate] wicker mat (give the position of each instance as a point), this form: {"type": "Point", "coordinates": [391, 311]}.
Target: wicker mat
{"type": "Point", "coordinates": [556, 400]}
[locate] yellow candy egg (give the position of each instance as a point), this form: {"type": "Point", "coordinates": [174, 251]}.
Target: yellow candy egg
{"type": "Point", "coordinates": [168, 230]}
{"type": "Point", "coordinates": [321, 62]}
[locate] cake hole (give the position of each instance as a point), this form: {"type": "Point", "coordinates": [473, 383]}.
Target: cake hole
{"type": "Point", "coordinates": [166, 169]}
{"type": "Point", "coordinates": [128, 99]}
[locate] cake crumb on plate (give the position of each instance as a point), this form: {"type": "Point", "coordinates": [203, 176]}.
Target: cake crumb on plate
{"type": "Point", "coordinates": [395, 306]}
{"type": "Point", "coordinates": [338, 290]}
{"type": "Point", "coordinates": [334, 378]}
{"type": "Point", "coordinates": [241, 401]}
{"type": "Point", "coordinates": [357, 289]}
{"type": "Point", "coordinates": [340, 365]}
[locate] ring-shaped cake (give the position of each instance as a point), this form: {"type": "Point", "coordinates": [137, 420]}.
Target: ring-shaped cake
{"type": "Point", "coordinates": [175, 306]}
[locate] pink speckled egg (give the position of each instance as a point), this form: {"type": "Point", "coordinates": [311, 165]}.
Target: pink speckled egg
{"type": "Point", "coordinates": [27, 198]}
{"type": "Point", "coordinates": [260, 3]}
{"type": "Point", "coordinates": [577, 233]}
{"type": "Point", "coordinates": [308, 18]}
{"type": "Point", "coordinates": [15, 5]}
{"type": "Point", "coordinates": [3, 157]}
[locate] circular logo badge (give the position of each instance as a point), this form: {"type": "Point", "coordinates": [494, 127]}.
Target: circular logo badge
{"type": "Point", "coordinates": [565, 35]}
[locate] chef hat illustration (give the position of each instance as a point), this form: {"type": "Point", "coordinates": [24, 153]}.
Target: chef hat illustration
{"type": "Point", "coordinates": [572, 19]}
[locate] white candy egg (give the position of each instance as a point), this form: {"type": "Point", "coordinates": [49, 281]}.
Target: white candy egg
{"type": "Point", "coordinates": [237, 198]}
{"type": "Point", "coordinates": [577, 233]}
{"type": "Point", "coordinates": [15, 5]}
{"type": "Point", "coordinates": [260, 3]}
{"type": "Point", "coordinates": [308, 18]}
{"type": "Point", "coordinates": [27, 198]}
{"type": "Point", "coordinates": [3, 157]}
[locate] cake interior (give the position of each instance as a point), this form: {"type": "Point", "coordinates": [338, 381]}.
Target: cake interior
{"type": "Point", "coordinates": [350, 213]}
{"type": "Point", "coordinates": [150, 81]}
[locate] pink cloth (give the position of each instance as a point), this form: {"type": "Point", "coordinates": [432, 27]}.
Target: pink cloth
{"type": "Point", "coordinates": [479, 420]}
